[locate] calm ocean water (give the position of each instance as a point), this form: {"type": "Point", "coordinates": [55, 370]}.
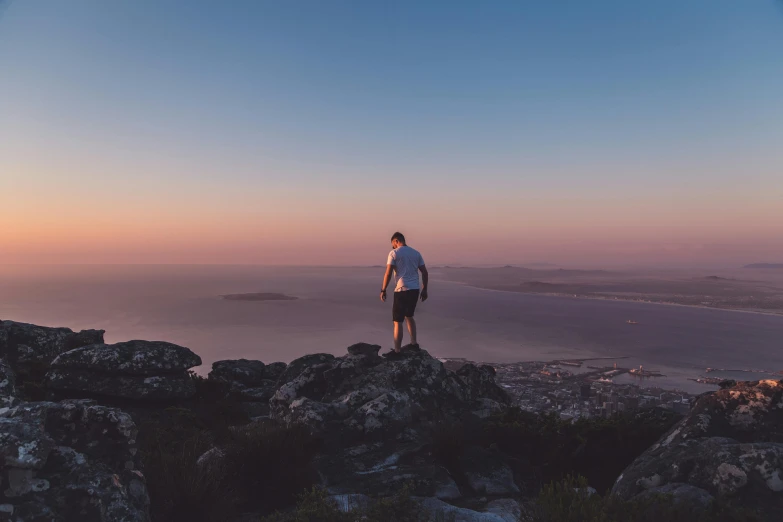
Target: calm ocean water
{"type": "Point", "coordinates": [340, 306]}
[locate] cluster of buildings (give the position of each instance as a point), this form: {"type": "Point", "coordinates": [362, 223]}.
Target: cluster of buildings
{"type": "Point", "coordinates": [574, 391]}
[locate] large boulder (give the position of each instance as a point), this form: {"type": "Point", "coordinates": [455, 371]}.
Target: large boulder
{"type": "Point", "coordinates": [367, 394]}
{"type": "Point", "coordinates": [150, 370]}
{"type": "Point", "coordinates": [297, 366]}
{"type": "Point", "coordinates": [72, 460]}
{"type": "Point", "coordinates": [376, 417]}
{"type": "Point", "coordinates": [152, 387]}
{"type": "Point", "coordinates": [480, 381]}
{"type": "Point", "coordinates": [252, 383]}
{"type": "Point", "coordinates": [26, 344]}
{"type": "Point", "coordinates": [129, 358]}
{"type": "Point", "coordinates": [730, 443]}
{"type": "Point", "coordinates": [242, 372]}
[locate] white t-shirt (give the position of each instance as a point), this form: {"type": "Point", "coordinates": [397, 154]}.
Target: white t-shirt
{"type": "Point", "coordinates": [406, 262]}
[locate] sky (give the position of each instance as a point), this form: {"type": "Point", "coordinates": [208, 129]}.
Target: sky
{"type": "Point", "coordinates": [307, 132]}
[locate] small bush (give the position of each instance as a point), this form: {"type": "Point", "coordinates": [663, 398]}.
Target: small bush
{"type": "Point", "coordinates": [568, 501]}
{"type": "Point", "coordinates": [599, 449]}
{"type": "Point", "coordinates": [181, 489]}
{"type": "Point", "coordinates": [263, 466]}
{"type": "Point", "coordinates": [270, 464]}
{"type": "Point", "coordinates": [448, 443]}
{"type": "Point", "coordinates": [315, 506]}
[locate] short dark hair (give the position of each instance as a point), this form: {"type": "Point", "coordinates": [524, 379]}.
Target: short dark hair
{"type": "Point", "coordinates": [399, 237]}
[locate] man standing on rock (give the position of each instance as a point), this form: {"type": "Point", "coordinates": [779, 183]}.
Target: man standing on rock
{"type": "Point", "coordinates": [406, 263]}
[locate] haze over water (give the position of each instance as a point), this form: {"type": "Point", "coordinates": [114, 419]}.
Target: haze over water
{"type": "Point", "coordinates": [339, 306]}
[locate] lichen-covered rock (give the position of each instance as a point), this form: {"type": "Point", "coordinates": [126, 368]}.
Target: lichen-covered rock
{"type": "Point", "coordinates": [297, 366]}
{"type": "Point", "coordinates": [72, 460]}
{"type": "Point", "coordinates": [364, 349]}
{"type": "Point", "coordinates": [152, 387]}
{"type": "Point", "coordinates": [129, 358]}
{"type": "Point", "coordinates": [499, 512]}
{"type": "Point", "coordinates": [382, 468]}
{"type": "Point", "coordinates": [242, 372]}
{"type": "Point", "coordinates": [24, 344]}
{"type": "Point", "coordinates": [7, 385]}
{"type": "Point", "coordinates": [730, 443]}
{"type": "Point", "coordinates": [748, 412]}
{"type": "Point", "coordinates": [390, 409]}
{"type": "Point", "coordinates": [749, 472]}
{"type": "Point", "coordinates": [371, 394]}
{"type": "Point", "coordinates": [679, 493]}
{"type": "Point", "coordinates": [274, 370]}
{"type": "Point", "coordinates": [480, 382]}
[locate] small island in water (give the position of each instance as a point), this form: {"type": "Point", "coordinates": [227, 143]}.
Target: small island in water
{"type": "Point", "coordinates": [258, 296]}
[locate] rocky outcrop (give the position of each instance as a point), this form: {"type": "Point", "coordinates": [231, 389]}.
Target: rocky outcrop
{"type": "Point", "coordinates": [297, 366]}
{"type": "Point", "coordinates": [7, 385]}
{"type": "Point", "coordinates": [730, 443]}
{"type": "Point", "coordinates": [23, 344]}
{"type": "Point", "coordinates": [250, 382]}
{"type": "Point", "coordinates": [376, 416]}
{"type": "Point", "coordinates": [488, 472]}
{"type": "Point", "coordinates": [151, 370]}
{"type": "Point", "coordinates": [71, 460]}
{"type": "Point", "coordinates": [366, 394]}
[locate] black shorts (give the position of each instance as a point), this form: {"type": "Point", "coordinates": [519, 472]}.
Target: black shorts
{"type": "Point", "coordinates": [404, 304]}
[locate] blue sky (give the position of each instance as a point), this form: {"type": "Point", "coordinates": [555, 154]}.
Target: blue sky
{"type": "Point", "coordinates": [470, 110]}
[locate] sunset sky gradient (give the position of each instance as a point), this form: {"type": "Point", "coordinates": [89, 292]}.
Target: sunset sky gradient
{"type": "Point", "coordinates": [306, 132]}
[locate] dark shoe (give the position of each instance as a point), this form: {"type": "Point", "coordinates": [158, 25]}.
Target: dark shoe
{"type": "Point", "coordinates": [411, 348]}
{"type": "Point", "coordinates": [392, 355]}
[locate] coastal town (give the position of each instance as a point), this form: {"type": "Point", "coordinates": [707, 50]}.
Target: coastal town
{"type": "Point", "coordinates": [580, 388]}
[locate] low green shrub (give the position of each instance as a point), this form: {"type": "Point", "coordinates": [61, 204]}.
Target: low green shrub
{"type": "Point", "coordinates": [263, 466]}
{"type": "Point", "coordinates": [599, 449]}
{"type": "Point", "coordinates": [568, 501]}
{"type": "Point", "coordinates": [270, 464]}
{"type": "Point", "coordinates": [181, 489]}
{"type": "Point", "coordinates": [315, 506]}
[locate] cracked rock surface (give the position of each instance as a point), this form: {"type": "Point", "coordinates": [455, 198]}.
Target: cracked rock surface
{"type": "Point", "coordinates": [730, 443]}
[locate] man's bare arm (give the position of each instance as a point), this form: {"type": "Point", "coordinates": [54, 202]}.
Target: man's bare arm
{"type": "Point", "coordinates": [386, 279]}
{"type": "Point", "coordinates": [425, 279]}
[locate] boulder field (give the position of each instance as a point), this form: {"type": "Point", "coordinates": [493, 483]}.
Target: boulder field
{"type": "Point", "coordinates": [379, 420]}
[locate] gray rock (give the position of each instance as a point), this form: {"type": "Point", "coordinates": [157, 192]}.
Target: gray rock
{"type": "Point", "coordinates": [481, 383]}
{"type": "Point", "coordinates": [24, 344]}
{"type": "Point", "coordinates": [260, 394]}
{"type": "Point", "coordinates": [507, 509]}
{"type": "Point", "coordinates": [487, 472]}
{"type": "Point", "coordinates": [153, 387]}
{"type": "Point", "coordinates": [242, 372]}
{"type": "Point", "coordinates": [350, 502]}
{"type": "Point", "coordinates": [274, 370]}
{"type": "Point", "coordinates": [440, 510]}
{"type": "Point", "coordinates": [71, 460]}
{"type": "Point", "coordinates": [680, 493]}
{"type": "Point", "coordinates": [297, 366]}
{"type": "Point", "coordinates": [718, 465]}
{"type": "Point", "coordinates": [387, 410]}
{"type": "Point", "coordinates": [129, 358]}
{"type": "Point", "coordinates": [364, 349]}
{"type": "Point", "coordinates": [730, 443]}
{"type": "Point", "coordinates": [748, 412]}
{"type": "Point", "coordinates": [7, 385]}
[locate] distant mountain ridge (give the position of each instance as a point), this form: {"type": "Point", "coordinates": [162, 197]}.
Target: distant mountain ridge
{"type": "Point", "coordinates": [764, 265]}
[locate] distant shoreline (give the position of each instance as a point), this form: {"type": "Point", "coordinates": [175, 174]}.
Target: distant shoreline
{"type": "Point", "coordinates": [596, 298]}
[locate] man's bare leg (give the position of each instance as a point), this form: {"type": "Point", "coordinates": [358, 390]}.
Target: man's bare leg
{"type": "Point", "coordinates": [397, 336]}
{"type": "Point", "coordinates": [412, 329]}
